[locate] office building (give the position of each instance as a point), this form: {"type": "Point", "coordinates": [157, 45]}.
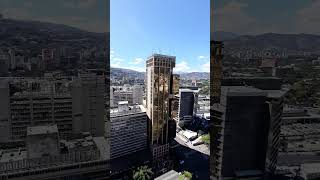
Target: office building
{"type": "Point", "coordinates": [176, 84]}
{"type": "Point", "coordinates": [187, 101]}
{"type": "Point", "coordinates": [247, 129]}
{"type": "Point", "coordinates": [129, 129]}
{"type": "Point", "coordinates": [174, 100]}
{"type": "Point", "coordinates": [158, 82]}
{"type": "Point", "coordinates": [33, 102]}
{"type": "Point", "coordinates": [75, 105]}
{"type": "Point", "coordinates": [42, 141]}
{"type": "Point", "coordinates": [158, 93]}
{"type": "Point", "coordinates": [88, 104]}
{"type": "Point", "coordinates": [132, 94]}
{"type": "Point", "coordinates": [216, 56]}
{"type": "Point", "coordinates": [4, 113]}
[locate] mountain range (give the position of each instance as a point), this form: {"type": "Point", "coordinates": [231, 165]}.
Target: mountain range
{"type": "Point", "coordinates": [294, 42]}
{"type": "Point", "coordinates": [26, 34]}
{"type": "Point", "coordinates": [136, 74]}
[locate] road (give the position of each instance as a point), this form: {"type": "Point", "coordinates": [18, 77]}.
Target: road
{"type": "Point", "coordinates": [195, 161]}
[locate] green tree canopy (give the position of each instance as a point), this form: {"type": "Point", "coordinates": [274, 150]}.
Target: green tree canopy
{"type": "Point", "coordinates": [186, 175]}
{"type": "Point", "coordinates": [142, 173]}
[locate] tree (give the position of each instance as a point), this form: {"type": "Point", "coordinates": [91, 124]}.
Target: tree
{"type": "Point", "coordinates": [142, 173]}
{"type": "Point", "coordinates": [206, 138]}
{"type": "Point", "coordinates": [186, 175]}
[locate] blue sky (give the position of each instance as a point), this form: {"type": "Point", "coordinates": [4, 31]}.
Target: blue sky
{"type": "Point", "coordinates": [256, 17]}
{"type": "Point", "coordinates": [90, 15]}
{"type": "Point", "coordinates": [174, 27]}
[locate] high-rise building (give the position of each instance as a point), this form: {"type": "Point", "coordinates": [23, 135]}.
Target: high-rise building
{"type": "Point", "coordinates": [88, 104]}
{"type": "Point", "coordinates": [176, 84]}
{"type": "Point", "coordinates": [4, 62]}
{"type": "Point", "coordinates": [186, 102]}
{"type": "Point", "coordinates": [129, 129]}
{"type": "Point", "coordinates": [137, 94]}
{"type": "Point", "coordinates": [5, 111]}
{"type": "Point", "coordinates": [241, 145]}
{"type": "Point", "coordinates": [174, 101]}
{"type": "Point", "coordinates": [158, 92]}
{"type": "Point", "coordinates": [216, 56]}
{"type": "Point", "coordinates": [246, 141]}
{"type": "Point", "coordinates": [75, 105]}
{"type": "Point", "coordinates": [32, 102]}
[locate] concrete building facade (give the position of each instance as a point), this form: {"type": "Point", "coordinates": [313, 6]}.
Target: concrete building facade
{"type": "Point", "coordinates": [129, 130]}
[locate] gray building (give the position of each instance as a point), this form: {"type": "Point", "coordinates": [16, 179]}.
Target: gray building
{"type": "Point", "coordinates": [246, 131]}
{"type": "Point", "coordinates": [88, 104]}
{"type": "Point", "coordinates": [187, 102]}
{"type": "Point", "coordinates": [4, 113]}
{"type": "Point", "coordinates": [42, 141]}
{"type": "Point", "coordinates": [129, 129]}
{"type": "Point", "coordinates": [132, 94]}
{"type": "Point", "coordinates": [75, 105]}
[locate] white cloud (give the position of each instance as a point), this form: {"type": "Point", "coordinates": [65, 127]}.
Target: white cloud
{"type": "Point", "coordinates": [115, 60]}
{"type": "Point", "coordinates": [111, 54]}
{"type": "Point", "coordinates": [137, 61]}
{"type": "Point", "coordinates": [115, 64]}
{"type": "Point", "coordinates": [182, 67]}
{"type": "Point", "coordinates": [206, 67]}
{"type": "Point", "coordinates": [118, 62]}
{"type": "Point", "coordinates": [202, 58]}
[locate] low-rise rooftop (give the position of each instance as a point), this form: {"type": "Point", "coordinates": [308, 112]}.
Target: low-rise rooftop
{"type": "Point", "coordinates": [48, 129]}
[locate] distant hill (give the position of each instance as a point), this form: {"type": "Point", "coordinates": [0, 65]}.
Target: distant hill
{"type": "Point", "coordinates": [121, 72]}
{"type": "Point", "coordinates": [26, 34]}
{"type": "Point", "coordinates": [134, 74]}
{"type": "Point", "coordinates": [223, 36]}
{"type": "Point", "coordinates": [195, 75]}
{"type": "Point", "coordinates": [296, 42]}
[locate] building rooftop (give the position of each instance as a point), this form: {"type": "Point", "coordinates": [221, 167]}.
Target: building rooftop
{"type": "Point", "coordinates": [48, 129]}
{"type": "Point", "coordinates": [299, 130]}
{"type": "Point", "coordinates": [310, 168]}
{"type": "Point", "coordinates": [252, 77]}
{"type": "Point", "coordinates": [242, 91]}
{"type": "Point", "coordinates": [131, 110]}
{"type": "Point", "coordinates": [188, 90]}
{"type": "Point", "coordinates": [123, 102]}
{"type": "Point", "coordinates": [276, 93]}
{"type": "Point", "coordinates": [160, 55]}
{"type": "Point", "coordinates": [265, 63]}
{"type": "Point", "coordinates": [249, 173]}
{"type": "Point", "coordinates": [171, 175]}
{"type": "Point", "coordinates": [12, 155]}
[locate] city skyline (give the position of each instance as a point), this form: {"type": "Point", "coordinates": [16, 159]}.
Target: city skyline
{"type": "Point", "coordinates": [139, 29]}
